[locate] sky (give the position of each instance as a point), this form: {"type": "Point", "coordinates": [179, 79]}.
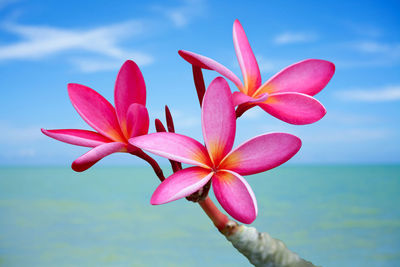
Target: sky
{"type": "Point", "coordinates": [44, 45]}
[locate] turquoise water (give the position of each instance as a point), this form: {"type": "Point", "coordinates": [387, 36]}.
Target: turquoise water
{"type": "Point", "coordinates": [332, 216]}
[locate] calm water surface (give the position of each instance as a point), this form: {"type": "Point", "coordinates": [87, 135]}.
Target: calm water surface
{"type": "Point", "coordinates": [330, 215]}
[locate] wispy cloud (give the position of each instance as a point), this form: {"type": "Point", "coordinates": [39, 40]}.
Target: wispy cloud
{"type": "Point", "coordinates": [391, 49]}
{"type": "Point", "coordinates": [382, 94]}
{"type": "Point", "coordinates": [4, 3]}
{"type": "Point", "coordinates": [267, 65]}
{"type": "Point", "coordinates": [95, 65]}
{"type": "Point", "coordinates": [182, 14]}
{"type": "Point", "coordinates": [364, 29]}
{"type": "Point", "coordinates": [254, 113]}
{"type": "Point", "coordinates": [10, 134]}
{"type": "Point", "coordinates": [370, 53]}
{"type": "Point", "coordinates": [350, 135]}
{"type": "Point", "coordinates": [38, 42]}
{"type": "Point", "coordinates": [294, 37]}
{"type": "Point", "coordinates": [348, 118]}
{"type": "Point", "coordinates": [184, 119]}
{"type": "Point", "coordinates": [26, 153]}
{"type": "Point", "coordinates": [365, 63]}
{"type": "Point", "coordinates": [324, 135]}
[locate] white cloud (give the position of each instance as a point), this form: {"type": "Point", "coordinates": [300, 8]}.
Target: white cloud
{"type": "Point", "coordinates": [184, 119]}
{"type": "Point", "coordinates": [382, 94]}
{"type": "Point", "coordinates": [43, 41]}
{"type": "Point", "coordinates": [373, 54]}
{"type": "Point", "coordinates": [4, 3]}
{"type": "Point", "coordinates": [181, 15]}
{"type": "Point", "coordinates": [253, 113]}
{"type": "Point", "coordinates": [10, 134]}
{"type": "Point", "coordinates": [94, 65]}
{"type": "Point", "coordinates": [266, 66]}
{"type": "Point", "coordinates": [332, 132]}
{"type": "Point", "coordinates": [354, 135]}
{"type": "Point", "coordinates": [378, 47]}
{"type": "Point", "coordinates": [343, 118]}
{"type": "Point", "coordinates": [294, 37]}
{"type": "Point", "coordinates": [365, 63]}
{"type": "Point", "coordinates": [26, 153]}
{"type": "Point", "coordinates": [271, 66]}
{"type": "Point", "coordinates": [364, 29]}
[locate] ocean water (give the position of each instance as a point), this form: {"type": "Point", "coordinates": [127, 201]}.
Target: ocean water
{"type": "Point", "coordinates": [330, 215]}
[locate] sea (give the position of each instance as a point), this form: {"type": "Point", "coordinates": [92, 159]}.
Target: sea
{"type": "Point", "coordinates": [330, 215]}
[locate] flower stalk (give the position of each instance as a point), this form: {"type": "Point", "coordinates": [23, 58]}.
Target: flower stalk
{"type": "Point", "coordinates": [176, 166]}
{"type": "Point", "coordinates": [219, 219]}
{"type": "Point", "coordinates": [199, 83]}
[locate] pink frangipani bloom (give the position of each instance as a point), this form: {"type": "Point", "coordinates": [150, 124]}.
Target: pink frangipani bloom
{"type": "Point", "coordinates": [114, 126]}
{"type": "Point", "coordinates": [286, 96]}
{"type": "Point", "coordinates": [216, 160]}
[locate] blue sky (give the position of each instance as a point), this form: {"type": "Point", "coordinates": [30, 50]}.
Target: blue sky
{"type": "Point", "coordinates": [46, 44]}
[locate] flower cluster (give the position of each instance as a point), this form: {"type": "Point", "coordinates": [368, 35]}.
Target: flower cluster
{"type": "Point", "coordinates": [287, 96]}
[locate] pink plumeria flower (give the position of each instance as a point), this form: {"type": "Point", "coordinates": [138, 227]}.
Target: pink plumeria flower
{"type": "Point", "coordinates": [286, 96]}
{"type": "Point", "coordinates": [215, 160]}
{"type": "Point", "coordinates": [114, 126]}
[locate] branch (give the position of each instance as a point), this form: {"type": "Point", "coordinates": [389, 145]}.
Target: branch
{"type": "Point", "coordinates": [176, 166]}
{"type": "Point", "coordinates": [263, 250]}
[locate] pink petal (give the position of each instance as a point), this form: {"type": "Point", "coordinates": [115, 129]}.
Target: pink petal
{"type": "Point", "coordinates": [218, 120]}
{"type": "Point", "coordinates": [95, 110]}
{"type": "Point", "coordinates": [240, 98]}
{"type": "Point", "coordinates": [77, 137]}
{"type": "Point", "coordinates": [173, 146]}
{"type": "Point", "coordinates": [247, 61]}
{"type": "Point", "coordinates": [262, 153]}
{"type": "Point", "coordinates": [210, 64]}
{"type": "Point", "coordinates": [88, 159]}
{"type": "Point", "coordinates": [129, 88]}
{"type": "Point", "coordinates": [308, 77]}
{"type": "Point", "coordinates": [235, 196]}
{"type": "Point", "coordinates": [294, 108]}
{"type": "Point", "coordinates": [137, 120]}
{"type": "Point", "coordinates": [181, 184]}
